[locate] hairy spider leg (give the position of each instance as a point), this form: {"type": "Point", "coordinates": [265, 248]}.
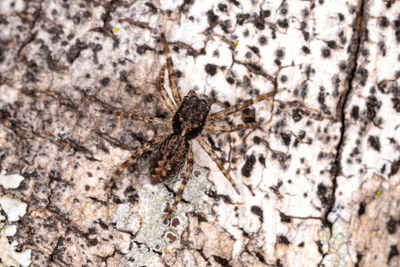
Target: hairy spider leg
{"type": "Point", "coordinates": [171, 74]}
{"type": "Point", "coordinates": [188, 172]}
{"type": "Point", "coordinates": [216, 129]}
{"type": "Point", "coordinates": [163, 92]}
{"type": "Point", "coordinates": [145, 147]}
{"type": "Point", "coordinates": [215, 158]}
{"type": "Point", "coordinates": [107, 108]}
{"type": "Point", "coordinates": [135, 117]}
{"type": "Point", "coordinates": [240, 106]}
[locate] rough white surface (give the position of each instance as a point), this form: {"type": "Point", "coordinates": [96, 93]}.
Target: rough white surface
{"type": "Point", "coordinates": [10, 181]}
{"type": "Point", "coordinates": [14, 208]}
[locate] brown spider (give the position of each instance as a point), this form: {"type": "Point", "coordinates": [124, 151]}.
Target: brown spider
{"type": "Point", "coordinates": [190, 119]}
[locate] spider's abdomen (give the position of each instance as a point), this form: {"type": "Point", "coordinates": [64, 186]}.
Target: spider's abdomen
{"type": "Point", "coordinates": [168, 158]}
{"type": "Point", "coordinates": [191, 116]}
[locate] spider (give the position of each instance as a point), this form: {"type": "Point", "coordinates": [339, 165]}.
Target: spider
{"type": "Point", "coordinates": [191, 118]}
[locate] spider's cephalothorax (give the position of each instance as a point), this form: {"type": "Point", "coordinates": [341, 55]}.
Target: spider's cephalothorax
{"type": "Point", "coordinates": [191, 116]}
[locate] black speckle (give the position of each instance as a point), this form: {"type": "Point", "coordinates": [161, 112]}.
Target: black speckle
{"type": "Point", "coordinates": [355, 112]}
{"type": "Point", "coordinates": [325, 52]}
{"type": "Point", "coordinates": [283, 78]}
{"type": "Point", "coordinates": [391, 226]}
{"type": "Point", "coordinates": [255, 49]}
{"type": "Point", "coordinates": [92, 242]}
{"type": "Point", "coordinates": [211, 69]}
{"type": "Point", "coordinates": [383, 22]}
{"type": "Point", "coordinates": [283, 23]}
{"type": "Point", "coordinates": [249, 115]}
{"type": "Point", "coordinates": [265, 14]}
{"type": "Point", "coordinates": [262, 40]}
{"type": "Point", "coordinates": [283, 240]}
{"type": "Point", "coordinates": [331, 44]}
{"type": "Point", "coordinates": [280, 53]}
{"type": "Point", "coordinates": [361, 208]}
{"type": "Point", "coordinates": [220, 260]}
{"type": "Point", "coordinates": [149, 98]}
{"type": "Point", "coordinates": [284, 218]}
{"type": "Point", "coordinates": [397, 33]}
{"type": "Point", "coordinates": [212, 18]}
{"type": "Point", "coordinates": [323, 195]}
{"type": "Point", "coordinates": [306, 50]}
{"type": "Point", "coordinates": [230, 80]}
{"type": "Point", "coordinates": [257, 211]}
{"type": "Point", "coordinates": [105, 81]}
{"type": "Point", "coordinates": [396, 103]}
{"type": "Point", "coordinates": [393, 252]}
{"type": "Point", "coordinates": [286, 138]}
{"type": "Point", "coordinates": [395, 167]}
{"type": "Point", "coordinates": [374, 142]}
{"type": "Point", "coordinates": [248, 166]}
{"type": "Point", "coordinates": [222, 7]}
{"type": "Point", "coordinates": [372, 107]}
{"type": "Point", "coordinates": [259, 23]}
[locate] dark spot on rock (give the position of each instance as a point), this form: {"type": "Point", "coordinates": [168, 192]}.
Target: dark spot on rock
{"type": "Point", "coordinates": [331, 44]}
{"type": "Point", "coordinates": [396, 103]}
{"type": "Point", "coordinates": [280, 53]}
{"type": "Point", "coordinates": [248, 166]}
{"type": "Point", "coordinates": [241, 18]}
{"type": "Point", "coordinates": [374, 142]}
{"type": "Point", "coordinates": [341, 17]}
{"type": "Point", "coordinates": [212, 18]}
{"type": "Point", "coordinates": [254, 49]}
{"type": "Point", "coordinates": [283, 78]}
{"type": "Point", "coordinates": [395, 167]}
{"type": "Point", "coordinates": [306, 50]}
{"type": "Point", "coordinates": [283, 23]}
{"type": "Point", "coordinates": [283, 240]}
{"type": "Point", "coordinates": [286, 138]}
{"type": "Point", "coordinates": [222, 7]}
{"type": "Point", "coordinates": [391, 226]}
{"type": "Point", "coordinates": [297, 114]}
{"type": "Point", "coordinates": [149, 98]}
{"type": "Point", "coordinates": [355, 112]}
{"type": "Point", "coordinates": [361, 208]}
{"type": "Point", "coordinates": [220, 260]}
{"type": "Point", "coordinates": [249, 115]}
{"type": "Point", "coordinates": [211, 69]}
{"type": "Point", "coordinates": [372, 107]}
{"type": "Point", "coordinates": [92, 242]}
{"type": "Point", "coordinates": [265, 14]}
{"type": "Point", "coordinates": [230, 80]}
{"type": "Point", "coordinates": [323, 194]}
{"type": "Point", "coordinates": [257, 211]}
{"type": "Point", "coordinates": [105, 81]}
{"type": "Point", "coordinates": [262, 40]}
{"type": "Point", "coordinates": [393, 252]}
{"type": "Point", "coordinates": [325, 52]}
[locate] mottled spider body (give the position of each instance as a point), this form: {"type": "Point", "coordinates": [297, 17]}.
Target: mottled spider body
{"type": "Point", "coordinates": [191, 118]}
{"type": "Point", "coordinates": [170, 155]}
{"type": "Point", "coordinates": [168, 158]}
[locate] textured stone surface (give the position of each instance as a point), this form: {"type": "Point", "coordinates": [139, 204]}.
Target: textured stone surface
{"type": "Point", "coordinates": [318, 179]}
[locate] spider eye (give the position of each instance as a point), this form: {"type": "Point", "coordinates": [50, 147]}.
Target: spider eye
{"type": "Point", "coordinates": [204, 102]}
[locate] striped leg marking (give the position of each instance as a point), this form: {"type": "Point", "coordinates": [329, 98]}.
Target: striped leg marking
{"type": "Point", "coordinates": [215, 158]}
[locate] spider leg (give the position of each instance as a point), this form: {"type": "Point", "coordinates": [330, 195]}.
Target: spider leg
{"type": "Point", "coordinates": [178, 197]}
{"type": "Point", "coordinates": [146, 146]}
{"type": "Point", "coordinates": [171, 74]}
{"type": "Point", "coordinates": [107, 108]}
{"type": "Point", "coordinates": [242, 105]}
{"type": "Point", "coordinates": [163, 92]}
{"type": "Point", "coordinates": [216, 129]}
{"type": "Point", "coordinates": [135, 117]}
{"type": "Point", "coordinates": [215, 158]}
